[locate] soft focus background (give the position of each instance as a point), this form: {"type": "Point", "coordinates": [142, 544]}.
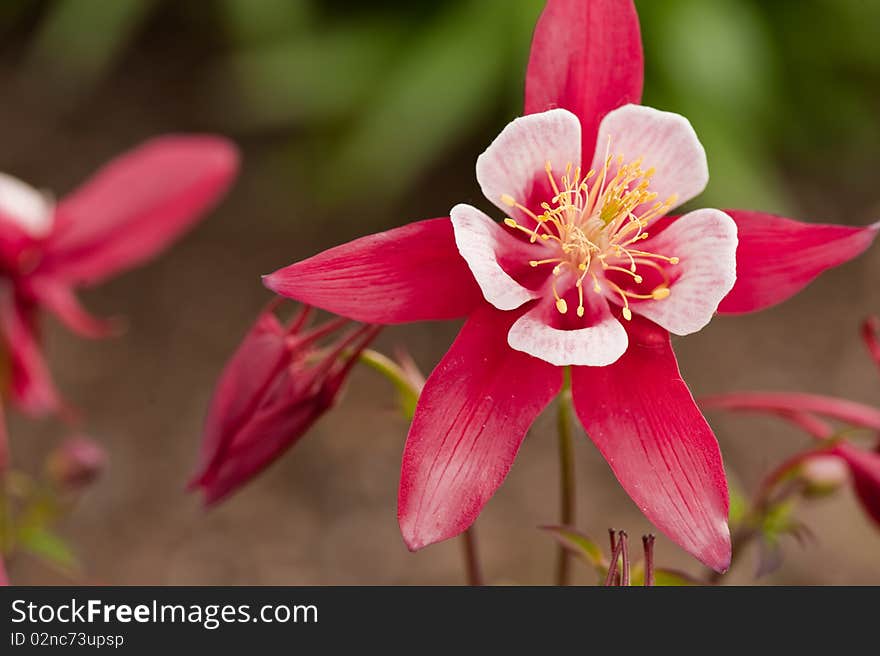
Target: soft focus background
{"type": "Point", "coordinates": [355, 117]}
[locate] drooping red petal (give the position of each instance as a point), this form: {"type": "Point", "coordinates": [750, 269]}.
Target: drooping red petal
{"type": "Point", "coordinates": [471, 418]}
{"type": "Point", "coordinates": [870, 333]}
{"type": "Point", "coordinates": [642, 417]}
{"type": "Point", "coordinates": [777, 257]}
{"type": "Point", "coordinates": [57, 297]}
{"type": "Point", "coordinates": [586, 57]}
{"type": "Point", "coordinates": [865, 469]}
{"type": "Point", "coordinates": [31, 386]}
{"type": "Point", "coordinates": [137, 205]}
{"type": "Point", "coordinates": [793, 403]}
{"type": "Point", "coordinates": [411, 273]}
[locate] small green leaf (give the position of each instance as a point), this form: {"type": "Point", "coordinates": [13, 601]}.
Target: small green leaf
{"type": "Point", "coordinates": [48, 547]}
{"type": "Point", "coordinates": [581, 545]}
{"type": "Point", "coordinates": [663, 578]}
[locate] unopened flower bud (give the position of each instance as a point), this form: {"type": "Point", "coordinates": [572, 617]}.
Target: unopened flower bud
{"type": "Point", "coordinates": [76, 463]}
{"type": "Point", "coordinates": [280, 381]}
{"type": "Point", "coordinates": [824, 474]}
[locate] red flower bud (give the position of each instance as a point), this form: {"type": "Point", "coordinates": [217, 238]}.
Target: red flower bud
{"type": "Point", "coordinates": [277, 384]}
{"type": "Point", "coordinates": [76, 463]}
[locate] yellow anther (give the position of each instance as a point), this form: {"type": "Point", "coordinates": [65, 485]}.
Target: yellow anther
{"type": "Point", "coordinates": [660, 293]}
{"type": "Point", "coordinates": [598, 220]}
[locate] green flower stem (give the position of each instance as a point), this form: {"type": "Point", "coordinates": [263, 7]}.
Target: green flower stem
{"type": "Point", "coordinates": [566, 474]}
{"type": "Point", "coordinates": [408, 393]}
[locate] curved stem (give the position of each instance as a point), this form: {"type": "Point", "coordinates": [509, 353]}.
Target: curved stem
{"type": "Point", "coordinates": [471, 558]}
{"type": "Point", "coordinates": [407, 390]}
{"type": "Point", "coordinates": [566, 474]}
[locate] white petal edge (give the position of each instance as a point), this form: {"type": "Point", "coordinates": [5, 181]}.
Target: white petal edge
{"type": "Point", "coordinates": [478, 239]}
{"type": "Point", "coordinates": [596, 346]}
{"type": "Point", "coordinates": [666, 141]}
{"type": "Point", "coordinates": [518, 156]}
{"type": "Point", "coordinates": [705, 242]}
{"type": "Point", "coordinates": [30, 209]}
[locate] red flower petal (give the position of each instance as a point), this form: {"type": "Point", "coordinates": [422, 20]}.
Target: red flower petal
{"type": "Point", "coordinates": [777, 257]}
{"type": "Point", "coordinates": [794, 403]}
{"type": "Point", "coordinates": [643, 419]}
{"type": "Point", "coordinates": [870, 333]}
{"type": "Point", "coordinates": [31, 386]}
{"type": "Point", "coordinates": [137, 205]}
{"type": "Point", "coordinates": [586, 57]}
{"type": "Point", "coordinates": [471, 418]}
{"type": "Point", "coordinates": [865, 469]}
{"type": "Point", "coordinates": [59, 299]}
{"type": "Point", "coordinates": [412, 273]}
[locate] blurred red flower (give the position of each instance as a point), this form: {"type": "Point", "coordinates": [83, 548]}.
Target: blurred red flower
{"type": "Point", "coordinates": [810, 412]}
{"type": "Point", "coordinates": [128, 212]}
{"type": "Point", "coordinates": [278, 383]}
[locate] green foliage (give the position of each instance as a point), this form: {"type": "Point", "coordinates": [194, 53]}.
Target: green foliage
{"type": "Point", "coordinates": [582, 546]}
{"type": "Point", "coordinates": [378, 94]}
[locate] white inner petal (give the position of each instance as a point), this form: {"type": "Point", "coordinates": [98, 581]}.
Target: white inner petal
{"type": "Point", "coordinates": [30, 209]}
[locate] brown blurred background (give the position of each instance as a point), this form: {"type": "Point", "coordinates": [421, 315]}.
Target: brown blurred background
{"type": "Point", "coordinates": [354, 117]}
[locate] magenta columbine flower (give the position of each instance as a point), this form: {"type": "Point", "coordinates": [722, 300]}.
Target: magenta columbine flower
{"type": "Point", "coordinates": [128, 212]}
{"type": "Point", "coordinates": [586, 270]}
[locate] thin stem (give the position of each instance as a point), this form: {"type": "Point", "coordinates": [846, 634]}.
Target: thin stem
{"type": "Point", "coordinates": [406, 388]}
{"type": "Point", "coordinates": [648, 545]}
{"type": "Point", "coordinates": [612, 578]}
{"type": "Point", "coordinates": [624, 557]}
{"type": "Point", "coordinates": [566, 475]}
{"type": "Point", "coordinates": [471, 558]}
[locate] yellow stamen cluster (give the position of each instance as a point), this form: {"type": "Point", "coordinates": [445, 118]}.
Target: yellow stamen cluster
{"type": "Point", "coordinates": [597, 219]}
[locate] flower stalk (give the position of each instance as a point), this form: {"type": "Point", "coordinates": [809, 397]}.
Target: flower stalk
{"type": "Point", "coordinates": [566, 475]}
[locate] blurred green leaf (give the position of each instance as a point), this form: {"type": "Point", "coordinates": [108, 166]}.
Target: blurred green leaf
{"type": "Point", "coordinates": [49, 547]}
{"type": "Point", "coordinates": [739, 505]}
{"type": "Point", "coordinates": [250, 22]}
{"type": "Point", "coordinates": [11, 11]}
{"type": "Point", "coordinates": [446, 79]}
{"type": "Point", "coordinates": [662, 577]}
{"type": "Point", "coordinates": [580, 545]}
{"type": "Point", "coordinates": [80, 39]}
{"type": "Point", "coordinates": [317, 77]}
